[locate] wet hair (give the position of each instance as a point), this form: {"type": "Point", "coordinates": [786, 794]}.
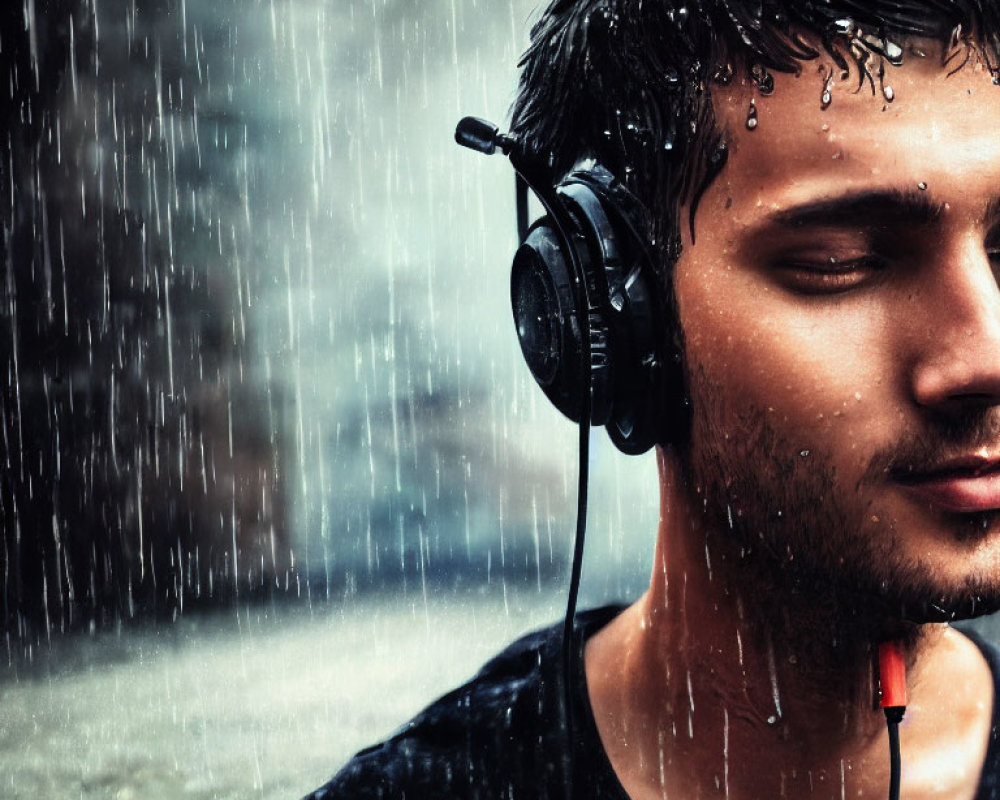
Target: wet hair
{"type": "Point", "coordinates": [628, 82]}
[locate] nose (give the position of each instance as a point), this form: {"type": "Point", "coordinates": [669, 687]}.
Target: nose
{"type": "Point", "coordinates": [959, 362]}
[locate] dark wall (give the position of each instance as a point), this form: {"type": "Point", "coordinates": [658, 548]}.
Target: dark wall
{"type": "Point", "coordinates": [140, 475]}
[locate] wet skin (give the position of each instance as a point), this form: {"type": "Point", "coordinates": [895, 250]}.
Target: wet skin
{"type": "Point", "coordinates": [842, 314]}
{"type": "Point", "coordinates": [841, 317]}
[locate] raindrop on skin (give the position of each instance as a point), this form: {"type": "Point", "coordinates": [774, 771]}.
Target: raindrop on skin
{"type": "Point", "coordinates": [752, 116]}
{"type": "Point", "coordinates": [775, 694]}
{"type": "Point", "coordinates": [725, 750]}
{"type": "Point", "coordinates": [827, 96]}
{"type": "Point", "coordinates": [690, 706]}
{"type": "Point", "coordinates": [894, 53]}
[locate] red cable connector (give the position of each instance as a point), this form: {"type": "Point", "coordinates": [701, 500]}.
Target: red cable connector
{"type": "Point", "coordinates": [892, 687]}
{"type": "Point", "coordinates": [892, 675]}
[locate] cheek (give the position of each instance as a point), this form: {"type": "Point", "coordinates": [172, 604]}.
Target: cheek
{"type": "Point", "coordinates": [822, 373]}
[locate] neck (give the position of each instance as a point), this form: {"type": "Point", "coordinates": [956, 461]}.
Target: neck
{"type": "Point", "coordinates": [797, 661]}
{"type": "Point", "coordinates": [730, 677]}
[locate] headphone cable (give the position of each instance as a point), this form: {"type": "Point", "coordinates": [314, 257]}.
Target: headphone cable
{"type": "Point", "coordinates": [569, 647]}
{"type": "Point", "coordinates": [569, 650]}
{"type": "Point", "coordinates": [893, 716]}
{"type": "Point", "coordinates": [892, 687]}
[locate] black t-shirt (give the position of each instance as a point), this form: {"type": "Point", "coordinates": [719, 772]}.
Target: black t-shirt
{"type": "Point", "coordinates": [502, 735]}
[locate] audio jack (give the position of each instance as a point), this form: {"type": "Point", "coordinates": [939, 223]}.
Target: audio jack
{"type": "Point", "coordinates": [892, 683]}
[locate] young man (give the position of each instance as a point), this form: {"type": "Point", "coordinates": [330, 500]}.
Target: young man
{"type": "Point", "coordinates": [823, 187]}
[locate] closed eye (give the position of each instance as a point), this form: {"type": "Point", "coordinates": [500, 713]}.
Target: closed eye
{"type": "Point", "coordinates": [829, 275]}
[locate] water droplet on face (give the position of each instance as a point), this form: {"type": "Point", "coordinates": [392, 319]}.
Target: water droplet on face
{"type": "Point", "coordinates": [826, 98]}
{"type": "Point", "coordinates": [752, 117]}
{"type": "Point", "coordinates": [922, 186]}
{"type": "Point", "coordinates": [804, 453]}
{"type": "Point", "coordinates": [888, 93]}
{"type": "Point", "coordinates": [894, 53]}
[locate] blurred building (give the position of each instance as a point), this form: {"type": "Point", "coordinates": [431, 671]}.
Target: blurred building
{"type": "Point", "coordinates": [254, 316]}
{"type": "Point", "coordinates": [141, 472]}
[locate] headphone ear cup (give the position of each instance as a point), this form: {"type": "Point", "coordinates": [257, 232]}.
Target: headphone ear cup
{"type": "Point", "coordinates": [639, 409]}
{"type": "Point", "coordinates": [545, 317]}
{"type": "Point", "coordinates": [590, 244]}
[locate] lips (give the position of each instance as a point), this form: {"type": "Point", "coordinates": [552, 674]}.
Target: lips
{"type": "Point", "coordinates": [967, 484]}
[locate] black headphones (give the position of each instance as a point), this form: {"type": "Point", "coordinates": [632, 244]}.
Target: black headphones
{"type": "Point", "coordinates": [582, 289]}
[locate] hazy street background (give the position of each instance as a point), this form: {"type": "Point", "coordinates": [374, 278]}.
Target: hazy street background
{"type": "Point", "coordinates": [281, 476]}
{"type": "Point", "coordinates": [257, 704]}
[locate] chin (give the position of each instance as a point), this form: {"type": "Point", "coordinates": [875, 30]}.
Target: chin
{"type": "Point", "coordinates": [918, 593]}
{"type": "Point", "coordinates": [921, 602]}
{"type": "Point", "coordinates": [948, 610]}
{"type": "Point", "coordinates": [960, 581]}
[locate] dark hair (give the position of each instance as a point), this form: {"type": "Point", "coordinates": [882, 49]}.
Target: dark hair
{"type": "Point", "coordinates": [628, 82]}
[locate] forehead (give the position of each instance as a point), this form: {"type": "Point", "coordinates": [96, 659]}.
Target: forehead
{"type": "Point", "coordinates": [939, 133]}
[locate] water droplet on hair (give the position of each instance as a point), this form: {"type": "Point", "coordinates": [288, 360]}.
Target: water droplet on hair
{"type": "Point", "coordinates": [845, 27]}
{"type": "Point", "coordinates": [763, 80]}
{"type": "Point", "coordinates": [678, 16]}
{"type": "Point", "coordinates": [724, 74]}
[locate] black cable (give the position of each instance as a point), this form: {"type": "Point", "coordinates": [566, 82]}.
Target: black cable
{"type": "Point", "coordinates": [893, 716]}
{"type": "Point", "coordinates": [586, 407]}
{"type": "Point", "coordinates": [568, 644]}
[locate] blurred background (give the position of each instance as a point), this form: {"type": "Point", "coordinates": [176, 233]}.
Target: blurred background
{"type": "Point", "coordinates": [274, 474]}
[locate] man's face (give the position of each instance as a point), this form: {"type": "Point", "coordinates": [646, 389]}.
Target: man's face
{"type": "Point", "coordinates": [842, 333]}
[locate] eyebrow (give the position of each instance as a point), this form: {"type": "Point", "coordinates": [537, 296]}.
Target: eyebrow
{"type": "Point", "coordinates": [868, 209]}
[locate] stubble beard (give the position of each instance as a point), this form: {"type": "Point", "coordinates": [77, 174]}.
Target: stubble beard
{"type": "Point", "coordinates": [808, 551]}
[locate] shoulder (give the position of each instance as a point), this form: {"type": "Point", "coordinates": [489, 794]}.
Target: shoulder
{"type": "Point", "coordinates": [479, 741]}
